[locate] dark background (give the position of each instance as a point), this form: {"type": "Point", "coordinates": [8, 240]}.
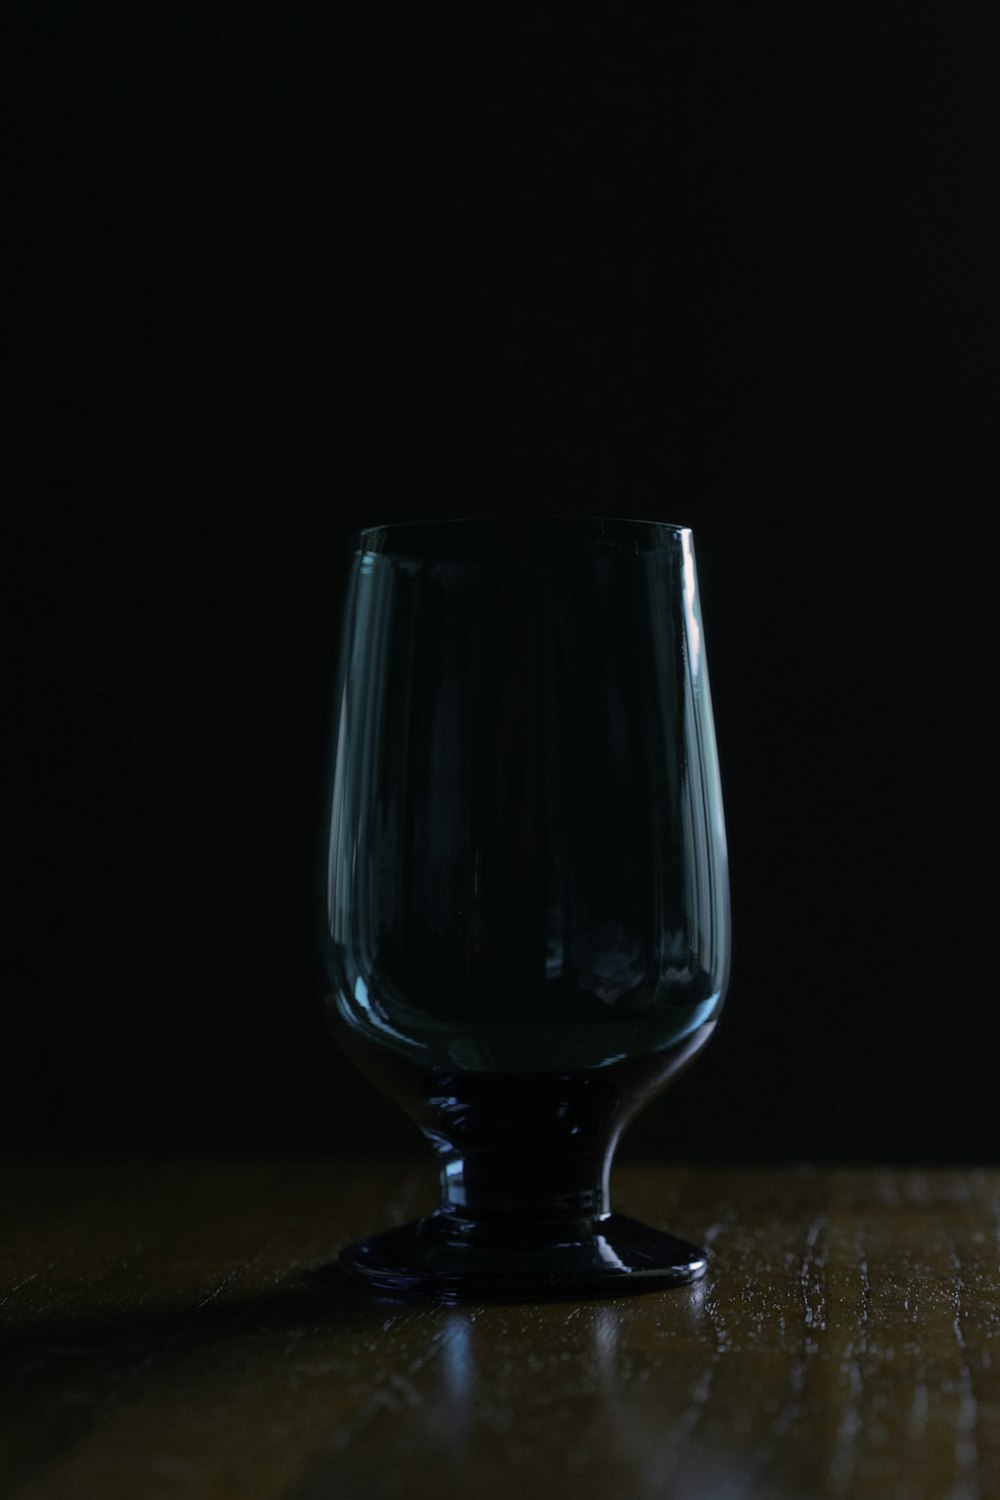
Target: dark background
{"type": "Point", "coordinates": [276, 277]}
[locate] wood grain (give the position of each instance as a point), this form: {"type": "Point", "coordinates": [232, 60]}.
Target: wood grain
{"type": "Point", "coordinates": [170, 1331]}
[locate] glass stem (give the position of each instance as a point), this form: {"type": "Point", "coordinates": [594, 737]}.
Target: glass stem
{"type": "Point", "coordinates": [486, 1183]}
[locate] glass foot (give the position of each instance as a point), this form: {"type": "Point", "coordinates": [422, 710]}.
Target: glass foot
{"type": "Point", "coordinates": [454, 1260]}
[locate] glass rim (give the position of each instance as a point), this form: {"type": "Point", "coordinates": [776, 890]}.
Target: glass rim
{"type": "Point", "coordinates": [398, 537]}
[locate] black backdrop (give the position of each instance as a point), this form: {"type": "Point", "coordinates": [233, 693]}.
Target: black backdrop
{"type": "Point", "coordinates": [276, 277]}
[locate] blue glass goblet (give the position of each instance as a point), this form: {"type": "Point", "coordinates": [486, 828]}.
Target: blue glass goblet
{"type": "Point", "coordinates": [526, 913]}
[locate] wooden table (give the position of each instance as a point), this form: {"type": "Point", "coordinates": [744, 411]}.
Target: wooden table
{"type": "Point", "coordinates": [167, 1334]}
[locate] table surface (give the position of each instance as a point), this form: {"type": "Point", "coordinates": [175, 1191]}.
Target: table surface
{"type": "Point", "coordinates": [170, 1330]}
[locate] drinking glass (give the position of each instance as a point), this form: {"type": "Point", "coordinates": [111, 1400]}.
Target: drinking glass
{"type": "Point", "coordinates": [526, 913]}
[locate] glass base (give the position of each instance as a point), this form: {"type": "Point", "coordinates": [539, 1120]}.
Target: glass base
{"type": "Point", "coordinates": [455, 1260]}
